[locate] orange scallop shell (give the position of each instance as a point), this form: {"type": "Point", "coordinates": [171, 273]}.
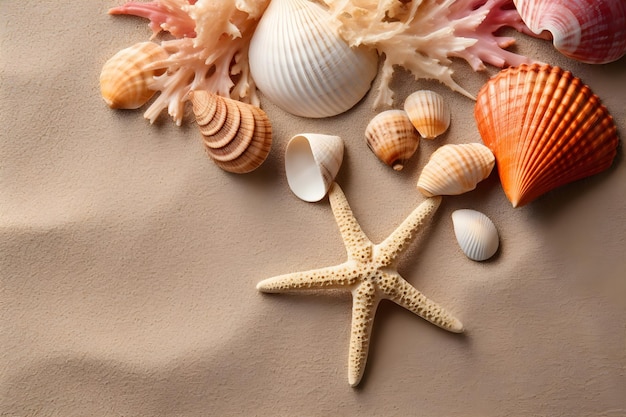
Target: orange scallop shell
{"type": "Point", "coordinates": [546, 129]}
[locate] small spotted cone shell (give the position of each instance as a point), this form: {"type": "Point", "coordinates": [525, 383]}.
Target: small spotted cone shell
{"type": "Point", "coordinates": [392, 137]}
{"type": "Point", "coordinates": [545, 128]}
{"type": "Point", "coordinates": [455, 169]}
{"type": "Point", "coordinates": [429, 113]}
{"type": "Point", "coordinates": [476, 234]}
{"type": "Point", "coordinates": [126, 76]}
{"type": "Point", "coordinates": [237, 136]}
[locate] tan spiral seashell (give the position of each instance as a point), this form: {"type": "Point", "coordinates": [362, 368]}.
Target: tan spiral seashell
{"type": "Point", "coordinates": [392, 137]}
{"type": "Point", "coordinates": [429, 113]}
{"type": "Point", "coordinates": [545, 127]}
{"type": "Point", "coordinates": [455, 169]}
{"type": "Point", "coordinates": [126, 76]}
{"type": "Point", "coordinates": [237, 136]}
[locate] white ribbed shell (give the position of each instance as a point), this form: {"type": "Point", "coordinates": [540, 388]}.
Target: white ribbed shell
{"type": "Point", "coordinates": [476, 234]}
{"type": "Point", "coordinates": [302, 66]}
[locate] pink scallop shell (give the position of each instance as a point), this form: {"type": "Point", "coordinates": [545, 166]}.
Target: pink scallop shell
{"type": "Point", "coordinates": [591, 31]}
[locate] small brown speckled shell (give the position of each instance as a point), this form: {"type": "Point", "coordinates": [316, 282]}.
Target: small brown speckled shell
{"type": "Point", "coordinates": [392, 137]}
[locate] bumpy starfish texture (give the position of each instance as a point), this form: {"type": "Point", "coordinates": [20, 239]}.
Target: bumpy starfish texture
{"type": "Point", "coordinates": [370, 272]}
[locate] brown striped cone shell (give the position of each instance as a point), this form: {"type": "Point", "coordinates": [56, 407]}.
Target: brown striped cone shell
{"type": "Point", "coordinates": [392, 137]}
{"type": "Point", "coordinates": [236, 135]}
{"type": "Point", "coordinates": [429, 113]}
{"type": "Point", "coordinates": [126, 76]}
{"type": "Point", "coordinates": [546, 129]}
{"type": "Point", "coordinates": [455, 169]}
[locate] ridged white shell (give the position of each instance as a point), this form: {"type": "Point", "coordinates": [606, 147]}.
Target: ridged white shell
{"type": "Point", "coordinates": [476, 234]}
{"type": "Point", "coordinates": [455, 169]}
{"type": "Point", "coordinates": [429, 113]}
{"type": "Point", "coordinates": [301, 65]}
{"type": "Point", "coordinates": [312, 161]}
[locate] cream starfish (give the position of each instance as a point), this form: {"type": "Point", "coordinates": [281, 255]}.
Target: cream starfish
{"type": "Point", "coordinates": [370, 273]}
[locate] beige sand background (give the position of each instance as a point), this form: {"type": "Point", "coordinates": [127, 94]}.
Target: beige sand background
{"type": "Point", "coordinates": [128, 260]}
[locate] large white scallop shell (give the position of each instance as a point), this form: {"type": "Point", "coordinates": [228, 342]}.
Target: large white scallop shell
{"type": "Point", "coordinates": [591, 31]}
{"type": "Point", "coordinates": [312, 161]}
{"type": "Point", "coordinates": [476, 234]}
{"type": "Point", "coordinates": [300, 64]}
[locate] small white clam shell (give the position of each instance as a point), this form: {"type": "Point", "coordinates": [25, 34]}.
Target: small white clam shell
{"type": "Point", "coordinates": [301, 65]}
{"type": "Point", "coordinates": [312, 161]}
{"type": "Point", "coordinates": [476, 234]}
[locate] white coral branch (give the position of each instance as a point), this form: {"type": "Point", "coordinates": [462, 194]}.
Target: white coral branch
{"type": "Point", "coordinates": [423, 35]}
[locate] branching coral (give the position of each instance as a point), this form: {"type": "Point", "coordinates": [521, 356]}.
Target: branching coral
{"type": "Point", "coordinates": [423, 35]}
{"type": "Point", "coordinates": [209, 50]}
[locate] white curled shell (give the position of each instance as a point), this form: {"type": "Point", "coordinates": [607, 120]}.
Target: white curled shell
{"type": "Point", "coordinates": [236, 135]}
{"type": "Point", "coordinates": [476, 234]}
{"type": "Point", "coordinates": [312, 161]}
{"type": "Point", "coordinates": [301, 65]}
{"type": "Point", "coordinates": [429, 113]}
{"type": "Point", "coordinates": [125, 78]}
{"type": "Point", "coordinates": [455, 169]}
{"type": "Point", "coordinates": [392, 137]}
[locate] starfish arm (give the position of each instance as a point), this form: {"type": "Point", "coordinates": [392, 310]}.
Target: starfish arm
{"type": "Point", "coordinates": [337, 276]}
{"type": "Point", "coordinates": [357, 244]}
{"type": "Point", "coordinates": [389, 249]}
{"type": "Point", "coordinates": [364, 304]}
{"type": "Point", "coordinates": [398, 290]}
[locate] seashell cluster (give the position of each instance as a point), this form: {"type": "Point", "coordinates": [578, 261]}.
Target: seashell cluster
{"type": "Point", "coordinates": [301, 65]}
{"type": "Point", "coordinates": [237, 136]}
{"type": "Point", "coordinates": [312, 161]}
{"type": "Point", "coordinates": [455, 169]}
{"type": "Point", "coordinates": [591, 31]}
{"type": "Point", "coordinates": [476, 234]}
{"type": "Point", "coordinates": [428, 112]}
{"type": "Point", "coordinates": [546, 129]}
{"type": "Point", "coordinates": [126, 76]}
{"type": "Point", "coordinates": [392, 137]}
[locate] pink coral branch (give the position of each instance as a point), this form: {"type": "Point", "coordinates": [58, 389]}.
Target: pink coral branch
{"type": "Point", "coordinates": [162, 16]}
{"type": "Point", "coordinates": [209, 51]}
{"type": "Point", "coordinates": [489, 48]}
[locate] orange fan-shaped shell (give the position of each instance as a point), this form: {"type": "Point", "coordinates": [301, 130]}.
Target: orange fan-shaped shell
{"type": "Point", "coordinates": [546, 129]}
